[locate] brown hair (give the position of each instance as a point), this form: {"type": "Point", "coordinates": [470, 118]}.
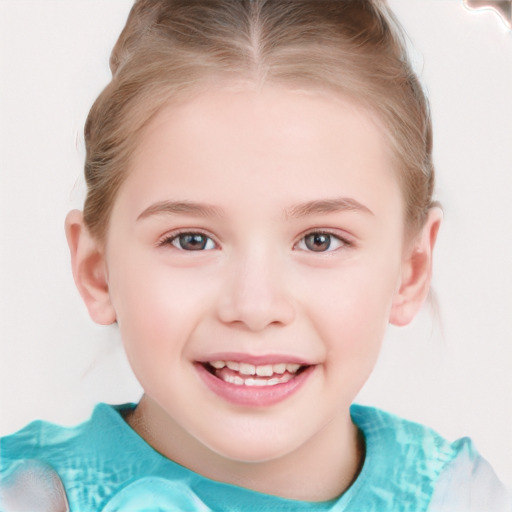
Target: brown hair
{"type": "Point", "coordinates": [172, 49]}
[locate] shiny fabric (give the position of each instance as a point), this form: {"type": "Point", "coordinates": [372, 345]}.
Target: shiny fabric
{"type": "Point", "coordinates": [105, 466]}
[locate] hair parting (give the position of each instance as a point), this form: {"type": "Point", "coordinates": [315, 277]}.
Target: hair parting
{"type": "Point", "coordinates": [171, 50]}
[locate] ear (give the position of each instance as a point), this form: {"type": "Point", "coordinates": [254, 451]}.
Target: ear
{"type": "Point", "coordinates": [89, 269]}
{"type": "Point", "coordinates": [416, 272]}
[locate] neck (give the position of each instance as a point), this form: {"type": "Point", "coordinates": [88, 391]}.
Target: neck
{"type": "Point", "coordinates": [320, 470]}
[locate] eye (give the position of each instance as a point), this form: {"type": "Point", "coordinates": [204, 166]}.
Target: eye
{"type": "Point", "coordinates": [321, 242]}
{"type": "Point", "coordinates": [190, 242]}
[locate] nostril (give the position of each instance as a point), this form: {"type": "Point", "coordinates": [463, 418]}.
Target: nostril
{"type": "Point", "coordinates": [257, 315]}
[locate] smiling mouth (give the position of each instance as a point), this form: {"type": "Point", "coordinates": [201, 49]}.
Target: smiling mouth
{"type": "Point", "coordinates": [246, 374]}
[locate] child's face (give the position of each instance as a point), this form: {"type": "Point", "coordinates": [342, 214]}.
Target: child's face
{"type": "Point", "coordinates": [262, 228]}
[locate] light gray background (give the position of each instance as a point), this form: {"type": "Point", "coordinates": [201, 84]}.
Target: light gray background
{"type": "Point", "coordinates": [453, 371]}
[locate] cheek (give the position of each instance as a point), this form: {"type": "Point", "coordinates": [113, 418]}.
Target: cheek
{"type": "Point", "coordinates": [156, 304]}
{"type": "Point", "coordinates": [158, 313]}
{"type": "Point", "coordinates": [352, 308]}
{"type": "Point", "coordinates": [354, 338]}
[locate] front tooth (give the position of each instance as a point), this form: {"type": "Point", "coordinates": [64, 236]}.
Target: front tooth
{"type": "Point", "coordinates": [247, 369]}
{"type": "Point", "coordinates": [264, 371]}
{"type": "Point", "coordinates": [218, 364]}
{"type": "Point", "coordinates": [233, 366]}
{"type": "Point", "coordinates": [279, 368]}
{"type": "Point", "coordinates": [292, 368]}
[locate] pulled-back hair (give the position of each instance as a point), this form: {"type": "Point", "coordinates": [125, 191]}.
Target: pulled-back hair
{"type": "Point", "coordinates": [170, 50]}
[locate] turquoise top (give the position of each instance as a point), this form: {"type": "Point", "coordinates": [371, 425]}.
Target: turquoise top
{"type": "Point", "coordinates": [105, 466]}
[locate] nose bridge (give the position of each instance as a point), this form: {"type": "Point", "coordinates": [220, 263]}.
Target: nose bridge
{"type": "Point", "coordinates": [257, 294]}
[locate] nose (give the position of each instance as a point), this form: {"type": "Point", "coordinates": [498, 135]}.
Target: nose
{"type": "Point", "coordinates": [256, 295]}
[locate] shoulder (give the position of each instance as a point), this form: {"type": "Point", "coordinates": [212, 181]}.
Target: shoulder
{"type": "Point", "coordinates": [406, 440]}
{"type": "Point", "coordinates": [44, 455]}
{"type": "Point", "coordinates": [470, 484]}
{"type": "Point", "coordinates": [409, 463]}
{"type": "Point", "coordinates": [47, 440]}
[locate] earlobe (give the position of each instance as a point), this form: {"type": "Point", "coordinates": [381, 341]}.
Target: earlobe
{"type": "Point", "coordinates": [89, 269]}
{"type": "Point", "coordinates": [416, 272]}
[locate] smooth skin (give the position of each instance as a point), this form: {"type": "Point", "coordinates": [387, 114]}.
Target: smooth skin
{"type": "Point", "coordinates": [256, 223]}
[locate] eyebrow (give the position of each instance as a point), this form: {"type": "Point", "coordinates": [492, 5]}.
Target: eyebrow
{"type": "Point", "coordinates": [181, 208]}
{"type": "Point", "coordinates": [322, 206]}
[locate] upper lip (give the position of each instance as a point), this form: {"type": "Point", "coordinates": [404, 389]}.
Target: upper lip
{"type": "Point", "coordinates": [256, 360]}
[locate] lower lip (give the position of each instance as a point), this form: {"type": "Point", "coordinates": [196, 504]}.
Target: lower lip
{"type": "Point", "coordinates": [253, 396]}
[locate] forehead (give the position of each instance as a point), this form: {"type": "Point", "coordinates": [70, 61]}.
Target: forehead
{"type": "Point", "coordinates": [294, 144]}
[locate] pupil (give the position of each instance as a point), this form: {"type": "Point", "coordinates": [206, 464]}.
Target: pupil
{"type": "Point", "coordinates": [193, 242]}
{"type": "Point", "coordinates": [318, 242]}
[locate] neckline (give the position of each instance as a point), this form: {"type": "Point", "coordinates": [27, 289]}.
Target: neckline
{"type": "Point", "coordinates": [117, 413]}
{"type": "Point", "coordinates": [402, 463]}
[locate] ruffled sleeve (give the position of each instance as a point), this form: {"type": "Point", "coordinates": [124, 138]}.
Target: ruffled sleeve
{"type": "Point", "coordinates": [469, 484]}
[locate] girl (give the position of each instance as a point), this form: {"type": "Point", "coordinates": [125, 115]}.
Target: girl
{"type": "Point", "coordinates": [259, 208]}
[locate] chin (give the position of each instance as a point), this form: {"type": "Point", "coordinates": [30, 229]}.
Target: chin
{"type": "Point", "coordinates": [255, 455]}
{"type": "Point", "coordinates": [252, 449]}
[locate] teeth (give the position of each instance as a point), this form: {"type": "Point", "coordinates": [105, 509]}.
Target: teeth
{"type": "Point", "coordinates": [279, 368]}
{"type": "Point", "coordinates": [280, 373]}
{"type": "Point", "coordinates": [265, 371]}
{"type": "Point", "coordinates": [247, 369]}
{"type": "Point", "coordinates": [251, 382]}
{"type": "Point", "coordinates": [255, 382]}
{"type": "Point", "coordinates": [234, 379]}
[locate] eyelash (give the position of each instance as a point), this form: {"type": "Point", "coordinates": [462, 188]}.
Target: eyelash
{"type": "Point", "coordinates": [175, 237]}
{"type": "Point", "coordinates": [171, 238]}
{"type": "Point", "coordinates": [343, 241]}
